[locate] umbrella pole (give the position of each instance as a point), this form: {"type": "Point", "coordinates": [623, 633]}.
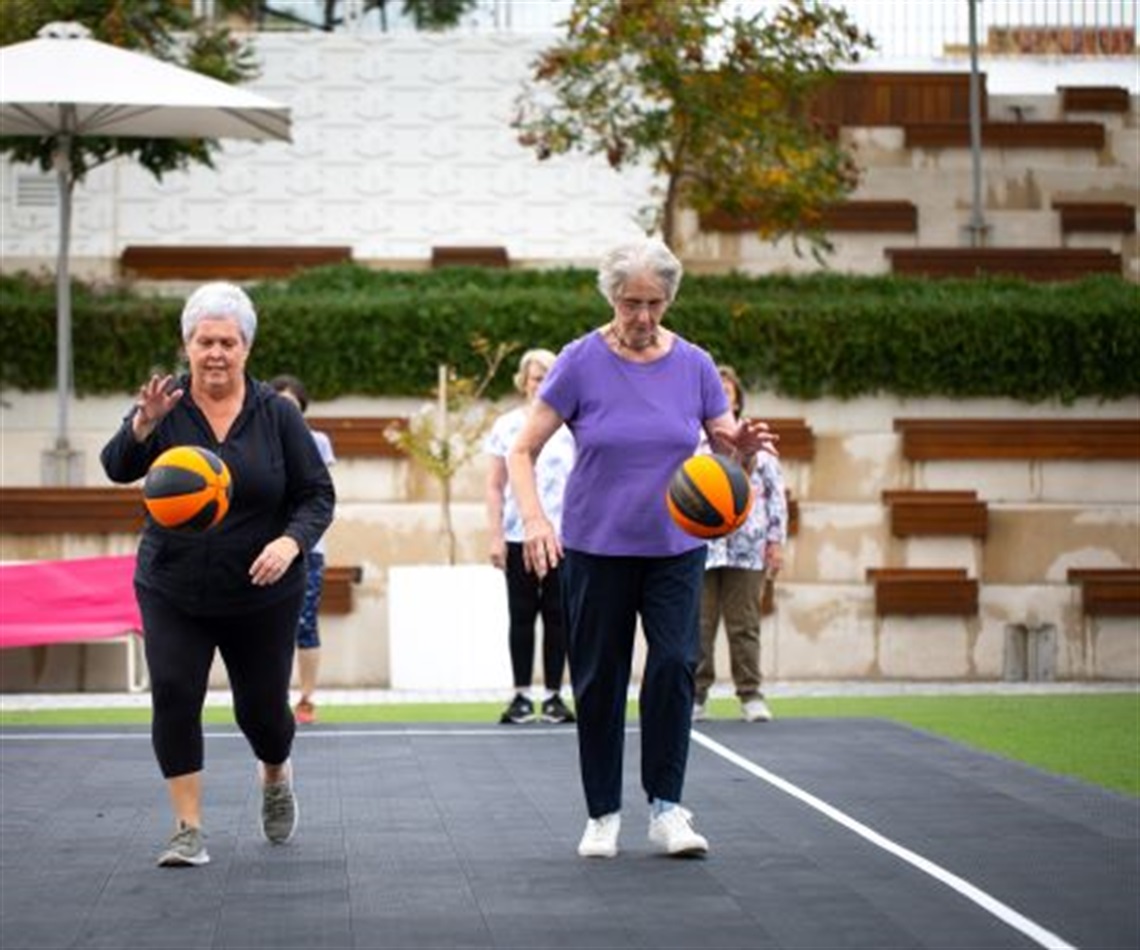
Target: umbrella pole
{"type": "Point", "coordinates": [62, 458]}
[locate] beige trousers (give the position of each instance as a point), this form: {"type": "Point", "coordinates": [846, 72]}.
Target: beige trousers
{"type": "Point", "coordinates": [731, 593]}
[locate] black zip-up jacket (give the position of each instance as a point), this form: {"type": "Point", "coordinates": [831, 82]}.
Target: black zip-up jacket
{"type": "Point", "coordinates": [280, 485]}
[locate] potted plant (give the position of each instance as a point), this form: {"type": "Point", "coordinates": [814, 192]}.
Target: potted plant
{"type": "Point", "coordinates": [446, 622]}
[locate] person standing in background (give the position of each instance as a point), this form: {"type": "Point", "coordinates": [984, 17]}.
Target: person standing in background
{"type": "Point", "coordinates": [308, 627]}
{"type": "Point", "coordinates": [736, 571]}
{"type": "Point", "coordinates": [529, 595]}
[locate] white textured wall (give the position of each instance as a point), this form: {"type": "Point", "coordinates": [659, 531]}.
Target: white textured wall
{"type": "Point", "coordinates": [400, 142]}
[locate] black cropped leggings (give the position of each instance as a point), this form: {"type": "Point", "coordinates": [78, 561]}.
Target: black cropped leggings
{"type": "Point", "coordinates": [257, 649]}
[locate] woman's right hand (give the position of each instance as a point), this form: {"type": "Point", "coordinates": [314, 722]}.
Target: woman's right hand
{"type": "Point", "coordinates": [498, 552]}
{"type": "Point", "coordinates": [541, 548]}
{"type": "Point", "coordinates": [152, 403]}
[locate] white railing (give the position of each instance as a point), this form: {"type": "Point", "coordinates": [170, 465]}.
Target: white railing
{"type": "Point", "coordinates": [903, 29]}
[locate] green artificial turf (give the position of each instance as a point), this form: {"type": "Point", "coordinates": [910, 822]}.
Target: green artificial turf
{"type": "Point", "coordinates": [1094, 737]}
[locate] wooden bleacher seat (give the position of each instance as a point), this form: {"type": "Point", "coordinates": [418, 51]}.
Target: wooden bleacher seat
{"type": "Point", "coordinates": [1032, 263]}
{"type": "Point", "coordinates": [917, 513]}
{"type": "Point", "coordinates": [1094, 98]}
{"type": "Point", "coordinates": [470, 257]}
{"type": "Point", "coordinates": [336, 592]}
{"type": "Point", "coordinates": [917, 591]}
{"type": "Point", "coordinates": [797, 440]}
{"type": "Point", "coordinates": [1108, 592]}
{"type": "Point", "coordinates": [360, 436]}
{"type": "Point", "coordinates": [225, 262]}
{"type": "Point", "coordinates": [1096, 216]}
{"type": "Point", "coordinates": [1062, 135]}
{"type": "Point", "coordinates": [1080, 439]}
{"type": "Point", "coordinates": [854, 215]}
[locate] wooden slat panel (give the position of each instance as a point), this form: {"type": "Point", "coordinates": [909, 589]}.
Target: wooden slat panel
{"type": "Point", "coordinates": [876, 574]}
{"type": "Point", "coordinates": [892, 495]}
{"type": "Point", "coordinates": [1094, 98]}
{"type": "Point", "coordinates": [360, 436]}
{"type": "Point", "coordinates": [896, 98]}
{"type": "Point", "coordinates": [76, 510]}
{"type": "Point", "coordinates": [233, 262]}
{"type": "Point", "coordinates": [1083, 439]}
{"type": "Point", "coordinates": [1108, 591]}
{"type": "Point", "coordinates": [469, 257]}
{"type": "Point", "coordinates": [1096, 216]}
{"type": "Point", "coordinates": [1007, 135]}
{"type": "Point", "coordinates": [855, 215]}
{"type": "Point", "coordinates": [1033, 263]}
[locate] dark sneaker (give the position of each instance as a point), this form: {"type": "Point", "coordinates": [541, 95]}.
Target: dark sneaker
{"type": "Point", "coordinates": [187, 848]}
{"type": "Point", "coordinates": [520, 710]}
{"type": "Point", "coordinates": [278, 811]}
{"type": "Point", "coordinates": [554, 710]}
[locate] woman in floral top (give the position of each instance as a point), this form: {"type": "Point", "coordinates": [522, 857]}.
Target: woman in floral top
{"type": "Point", "coordinates": [736, 570]}
{"type": "Point", "coordinates": [527, 594]}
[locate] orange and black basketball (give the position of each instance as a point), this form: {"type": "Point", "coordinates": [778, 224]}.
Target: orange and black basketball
{"type": "Point", "coordinates": [709, 496]}
{"type": "Point", "coordinates": [187, 488]}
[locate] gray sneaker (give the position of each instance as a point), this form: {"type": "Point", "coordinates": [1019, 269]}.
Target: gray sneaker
{"type": "Point", "coordinates": [278, 811]}
{"type": "Point", "coordinates": [187, 848]}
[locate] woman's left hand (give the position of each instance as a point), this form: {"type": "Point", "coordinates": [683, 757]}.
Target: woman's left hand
{"type": "Point", "coordinates": [273, 561]}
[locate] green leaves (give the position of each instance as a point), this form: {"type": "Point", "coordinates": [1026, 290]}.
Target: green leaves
{"type": "Point", "coordinates": [349, 330]}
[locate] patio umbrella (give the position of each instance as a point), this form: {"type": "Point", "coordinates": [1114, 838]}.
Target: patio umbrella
{"type": "Point", "coordinates": [67, 85]}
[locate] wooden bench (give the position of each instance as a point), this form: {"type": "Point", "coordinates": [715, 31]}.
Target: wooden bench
{"type": "Point", "coordinates": [1080, 439]}
{"type": "Point", "coordinates": [797, 440]}
{"type": "Point", "coordinates": [916, 513]}
{"type": "Point", "coordinates": [1007, 135]}
{"type": "Point", "coordinates": [360, 436]}
{"type": "Point", "coordinates": [225, 262]}
{"type": "Point", "coordinates": [1108, 592]}
{"type": "Point", "coordinates": [915, 591]}
{"type": "Point", "coordinates": [336, 591]}
{"type": "Point", "coordinates": [1094, 98]}
{"type": "Point", "coordinates": [1096, 216]}
{"type": "Point", "coordinates": [470, 257]}
{"type": "Point", "coordinates": [1032, 263]}
{"type": "Point", "coordinates": [870, 99]}
{"type": "Point", "coordinates": [857, 215]}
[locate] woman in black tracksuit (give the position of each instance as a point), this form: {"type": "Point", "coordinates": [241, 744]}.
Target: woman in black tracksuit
{"type": "Point", "coordinates": [237, 588]}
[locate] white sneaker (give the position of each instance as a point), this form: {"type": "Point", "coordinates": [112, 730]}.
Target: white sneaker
{"type": "Point", "coordinates": [700, 714]}
{"type": "Point", "coordinates": [756, 710]}
{"type": "Point", "coordinates": [673, 831]}
{"type": "Point", "coordinates": [599, 840]}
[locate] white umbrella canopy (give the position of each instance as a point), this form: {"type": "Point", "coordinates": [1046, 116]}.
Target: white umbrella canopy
{"type": "Point", "coordinates": [67, 85]}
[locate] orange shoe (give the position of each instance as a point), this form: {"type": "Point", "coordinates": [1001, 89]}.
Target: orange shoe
{"type": "Point", "coordinates": [305, 712]}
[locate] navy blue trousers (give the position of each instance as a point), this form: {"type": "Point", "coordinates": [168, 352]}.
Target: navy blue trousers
{"type": "Point", "coordinates": [602, 598]}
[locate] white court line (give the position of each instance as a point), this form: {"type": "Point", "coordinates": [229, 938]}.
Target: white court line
{"type": "Point", "coordinates": [1004, 913]}
{"type": "Point", "coordinates": [501, 731]}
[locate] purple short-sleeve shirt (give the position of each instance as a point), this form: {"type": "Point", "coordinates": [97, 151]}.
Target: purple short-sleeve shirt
{"type": "Point", "coordinates": [633, 424]}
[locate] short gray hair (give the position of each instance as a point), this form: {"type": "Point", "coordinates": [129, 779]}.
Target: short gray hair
{"type": "Point", "coordinates": [648, 255]}
{"type": "Point", "coordinates": [544, 358]}
{"type": "Point", "coordinates": [220, 299]}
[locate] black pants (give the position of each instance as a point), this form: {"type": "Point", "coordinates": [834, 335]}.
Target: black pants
{"type": "Point", "coordinates": [257, 649]}
{"type": "Point", "coordinates": [527, 597]}
{"type": "Point", "coordinates": [604, 597]}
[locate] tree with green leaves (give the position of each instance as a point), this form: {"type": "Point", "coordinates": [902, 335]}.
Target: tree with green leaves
{"type": "Point", "coordinates": [164, 29]}
{"type": "Point", "coordinates": [717, 104]}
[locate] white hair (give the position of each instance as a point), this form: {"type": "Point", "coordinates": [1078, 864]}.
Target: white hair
{"type": "Point", "coordinates": [648, 255]}
{"type": "Point", "coordinates": [220, 300]}
{"type": "Point", "coordinates": [544, 358]}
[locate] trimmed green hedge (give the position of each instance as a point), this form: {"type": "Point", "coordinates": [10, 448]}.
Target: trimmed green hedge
{"type": "Point", "coordinates": [350, 330]}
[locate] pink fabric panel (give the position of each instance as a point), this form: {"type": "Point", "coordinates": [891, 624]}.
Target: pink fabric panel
{"type": "Point", "coordinates": [61, 601]}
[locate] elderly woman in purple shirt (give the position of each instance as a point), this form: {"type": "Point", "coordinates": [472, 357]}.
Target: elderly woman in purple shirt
{"type": "Point", "coordinates": [636, 397]}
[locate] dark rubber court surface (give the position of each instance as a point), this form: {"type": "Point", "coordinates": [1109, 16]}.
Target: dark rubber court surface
{"type": "Point", "coordinates": [844, 833]}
